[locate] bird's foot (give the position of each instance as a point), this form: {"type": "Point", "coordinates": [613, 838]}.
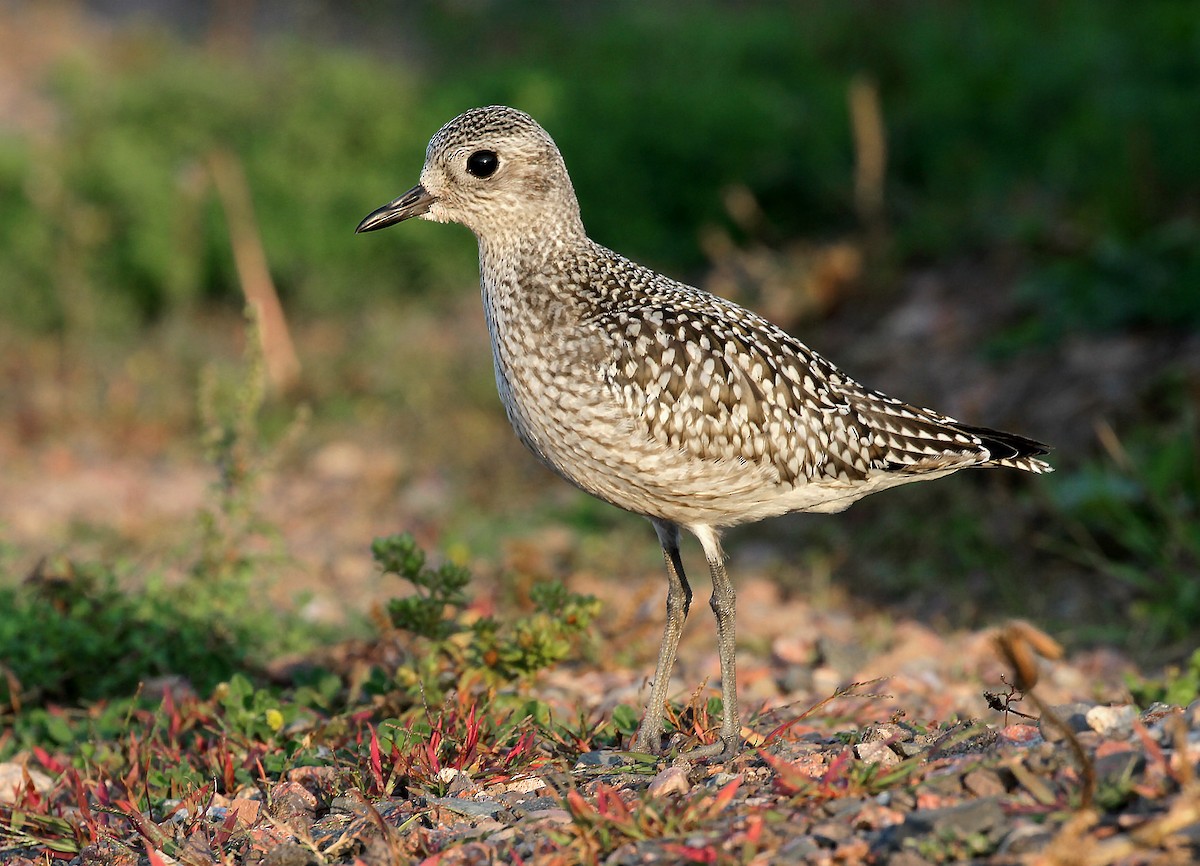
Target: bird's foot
{"type": "Point", "coordinates": [725, 749]}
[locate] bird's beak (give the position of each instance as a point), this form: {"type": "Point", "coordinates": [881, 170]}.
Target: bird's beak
{"type": "Point", "coordinates": [414, 203]}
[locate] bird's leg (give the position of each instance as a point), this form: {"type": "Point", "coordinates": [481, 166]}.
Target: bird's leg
{"type": "Point", "coordinates": [679, 599]}
{"type": "Point", "coordinates": [723, 603]}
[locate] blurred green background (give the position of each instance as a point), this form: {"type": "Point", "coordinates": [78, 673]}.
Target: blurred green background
{"type": "Point", "coordinates": [1037, 223]}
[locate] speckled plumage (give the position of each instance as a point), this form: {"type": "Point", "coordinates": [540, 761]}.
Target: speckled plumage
{"type": "Point", "coordinates": [658, 397]}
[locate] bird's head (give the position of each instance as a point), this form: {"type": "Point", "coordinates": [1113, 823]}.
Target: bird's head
{"type": "Point", "coordinates": [492, 169]}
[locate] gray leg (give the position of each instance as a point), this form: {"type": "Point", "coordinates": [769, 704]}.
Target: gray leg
{"type": "Point", "coordinates": [679, 599]}
{"type": "Point", "coordinates": [723, 603]}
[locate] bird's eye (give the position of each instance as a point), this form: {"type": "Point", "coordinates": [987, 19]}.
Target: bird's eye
{"type": "Point", "coordinates": [483, 163]}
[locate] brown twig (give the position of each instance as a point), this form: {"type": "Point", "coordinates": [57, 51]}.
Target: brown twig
{"type": "Point", "coordinates": [279, 354]}
{"type": "Point", "coordinates": [1019, 643]}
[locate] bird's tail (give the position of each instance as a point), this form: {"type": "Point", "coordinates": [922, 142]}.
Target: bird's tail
{"type": "Point", "coordinates": [1011, 450]}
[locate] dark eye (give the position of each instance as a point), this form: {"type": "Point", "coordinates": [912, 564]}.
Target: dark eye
{"type": "Point", "coordinates": [483, 163]}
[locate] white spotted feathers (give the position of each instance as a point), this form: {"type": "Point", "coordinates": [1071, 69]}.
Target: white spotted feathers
{"type": "Point", "coordinates": [653, 395]}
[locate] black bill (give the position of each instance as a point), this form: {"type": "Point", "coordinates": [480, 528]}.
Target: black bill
{"type": "Point", "coordinates": [413, 203]}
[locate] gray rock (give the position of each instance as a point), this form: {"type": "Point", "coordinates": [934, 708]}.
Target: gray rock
{"type": "Point", "coordinates": [907, 857]}
{"type": "Point", "coordinates": [829, 833]}
{"type": "Point", "coordinates": [983, 816]}
{"type": "Point", "coordinates": [910, 749]}
{"type": "Point", "coordinates": [290, 853]}
{"type": "Point", "coordinates": [887, 732]}
{"type": "Point", "coordinates": [802, 849]}
{"type": "Point", "coordinates": [876, 752]}
{"type": "Point", "coordinates": [1073, 715]}
{"type": "Point", "coordinates": [599, 759]}
{"type": "Point", "coordinates": [1025, 839]}
{"type": "Point", "coordinates": [984, 782]}
{"type": "Point", "coordinates": [477, 809]}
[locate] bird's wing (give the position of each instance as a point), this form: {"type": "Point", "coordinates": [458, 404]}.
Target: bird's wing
{"type": "Point", "coordinates": [707, 377]}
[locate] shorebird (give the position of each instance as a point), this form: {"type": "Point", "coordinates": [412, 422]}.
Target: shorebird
{"type": "Point", "coordinates": [660, 398]}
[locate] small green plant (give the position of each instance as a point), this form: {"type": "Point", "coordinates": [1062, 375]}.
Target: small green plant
{"type": "Point", "coordinates": [1135, 519]}
{"type": "Point", "coordinates": [423, 613]}
{"type": "Point", "coordinates": [231, 411]}
{"type": "Point", "coordinates": [464, 645]}
{"type": "Point", "coordinates": [72, 633]}
{"type": "Point", "coordinates": [1178, 686]}
{"type": "Point", "coordinates": [597, 829]}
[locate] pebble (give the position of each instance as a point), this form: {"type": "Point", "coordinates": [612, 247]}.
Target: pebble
{"type": "Point", "coordinates": [984, 782]}
{"type": "Point", "coordinates": [963, 819]}
{"type": "Point", "coordinates": [829, 833]}
{"type": "Point", "coordinates": [672, 780]}
{"type": "Point", "coordinates": [1112, 721]}
{"type": "Point", "coordinates": [1022, 735]}
{"type": "Point", "coordinates": [876, 752]}
{"type": "Point", "coordinates": [599, 758]}
{"type": "Point", "coordinates": [477, 809]}
{"type": "Point", "coordinates": [1074, 716]}
{"type": "Point", "coordinates": [1025, 839]}
{"type": "Point", "coordinates": [886, 732]}
{"type": "Point", "coordinates": [12, 779]}
{"type": "Point", "coordinates": [910, 749]}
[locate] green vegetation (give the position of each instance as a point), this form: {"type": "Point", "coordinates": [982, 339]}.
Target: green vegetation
{"type": "Point", "coordinates": [1178, 686]}
{"type": "Point", "coordinates": [1060, 132]}
{"type": "Point", "coordinates": [459, 649]}
{"type": "Point", "coordinates": [73, 634]}
{"type": "Point", "coordinates": [1140, 526]}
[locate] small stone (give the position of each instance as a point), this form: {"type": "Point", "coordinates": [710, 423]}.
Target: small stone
{"type": "Point", "coordinates": [830, 833]}
{"type": "Point", "coordinates": [1074, 716]}
{"type": "Point", "coordinates": [599, 759]}
{"type": "Point", "coordinates": [802, 849]}
{"type": "Point", "coordinates": [974, 816]}
{"type": "Point", "coordinates": [907, 857]}
{"type": "Point", "coordinates": [1025, 839]}
{"type": "Point", "coordinates": [293, 804]}
{"type": "Point", "coordinates": [290, 853]}
{"type": "Point", "coordinates": [877, 752]}
{"type": "Point", "coordinates": [527, 785]}
{"type": "Point", "coordinates": [1021, 735]}
{"type": "Point", "coordinates": [984, 783]}
{"type": "Point", "coordinates": [1112, 721]}
{"type": "Point", "coordinates": [672, 780]}
{"type": "Point", "coordinates": [887, 733]}
{"type": "Point", "coordinates": [12, 780]}
{"type": "Point", "coordinates": [477, 809]}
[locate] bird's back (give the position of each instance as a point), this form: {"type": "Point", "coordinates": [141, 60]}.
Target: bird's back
{"type": "Point", "coordinates": [671, 402]}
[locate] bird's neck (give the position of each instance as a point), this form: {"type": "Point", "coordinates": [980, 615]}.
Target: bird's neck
{"type": "Point", "coordinates": [538, 249]}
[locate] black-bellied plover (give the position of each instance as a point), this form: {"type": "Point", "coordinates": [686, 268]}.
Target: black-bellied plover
{"type": "Point", "coordinates": [657, 397]}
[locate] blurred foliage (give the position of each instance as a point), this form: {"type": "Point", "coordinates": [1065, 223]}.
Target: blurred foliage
{"type": "Point", "coordinates": [1134, 520]}
{"type": "Point", "coordinates": [72, 633]}
{"type": "Point", "coordinates": [1178, 686]}
{"type": "Point", "coordinates": [1061, 130]}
